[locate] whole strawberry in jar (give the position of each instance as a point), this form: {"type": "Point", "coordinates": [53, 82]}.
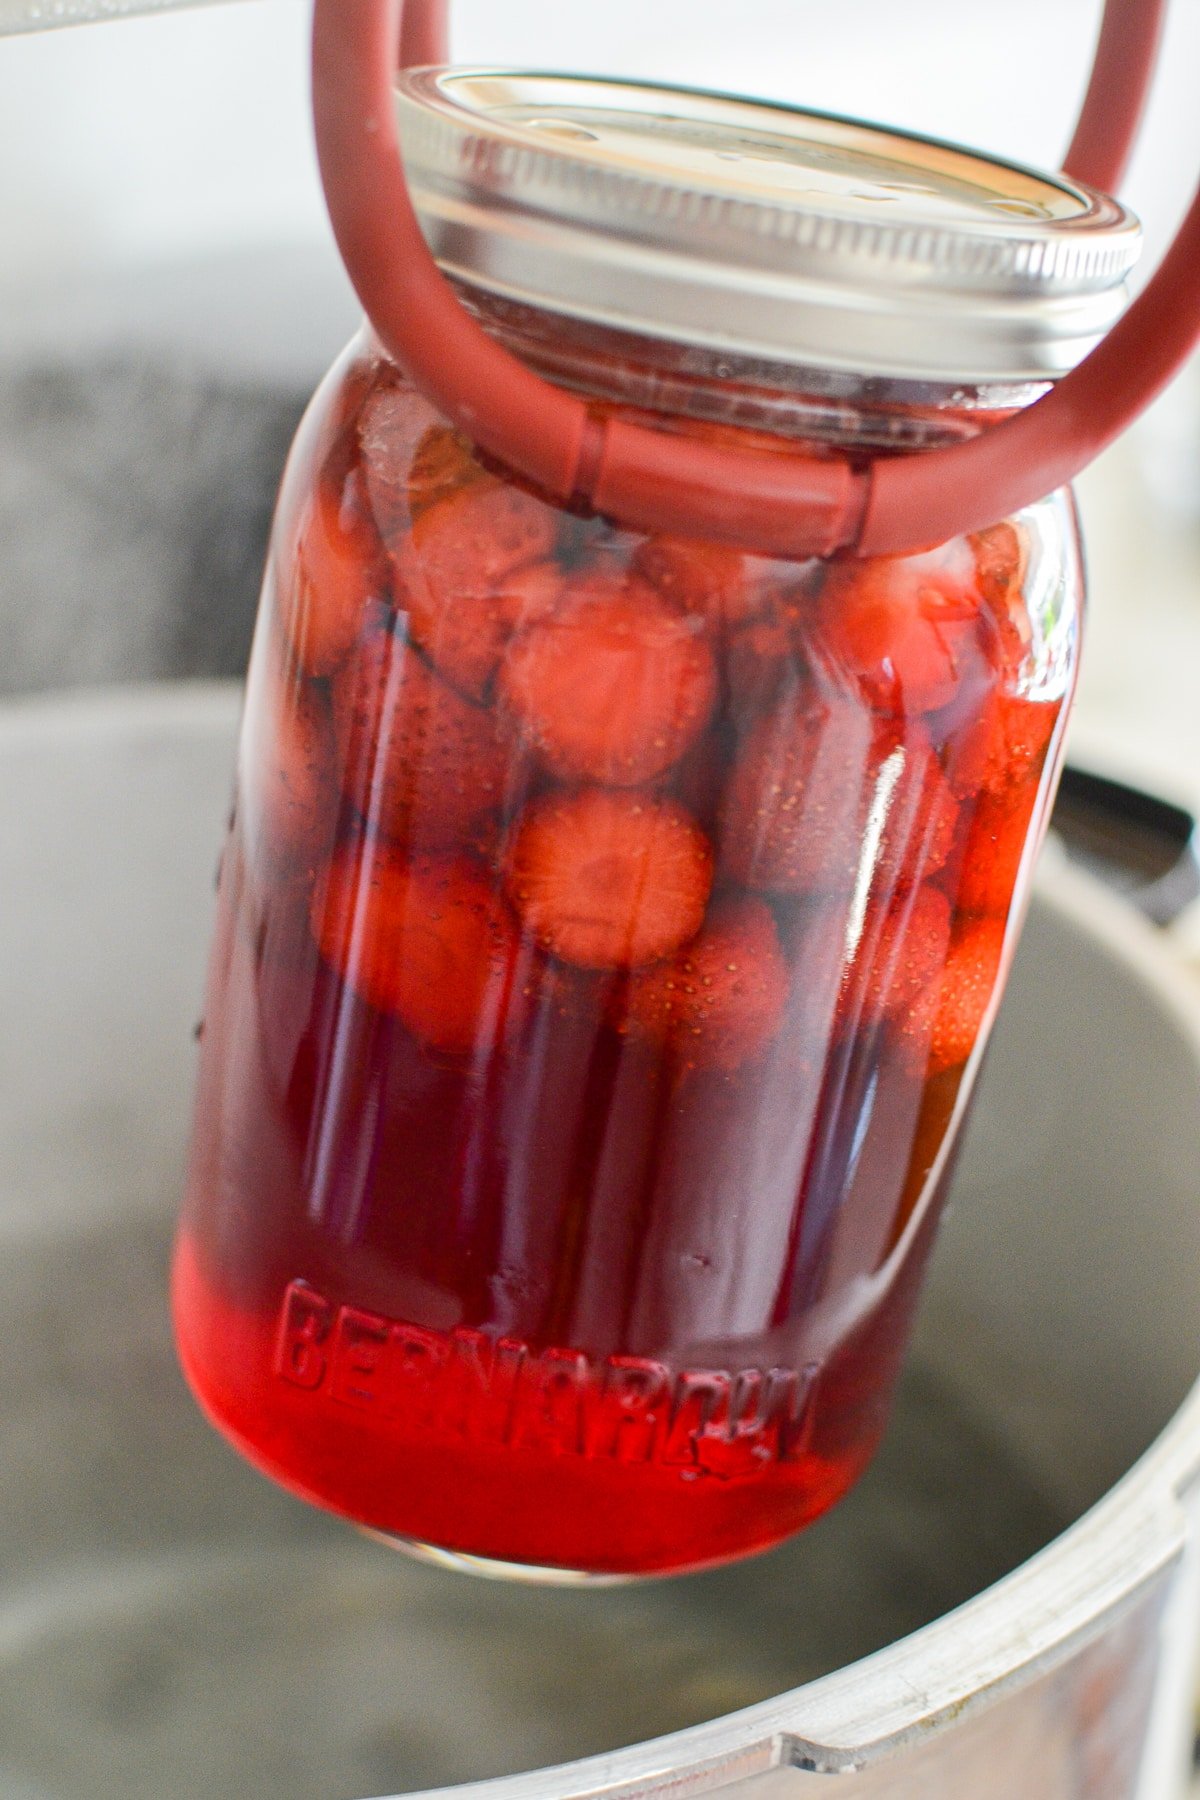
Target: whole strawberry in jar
{"type": "Point", "coordinates": [613, 917]}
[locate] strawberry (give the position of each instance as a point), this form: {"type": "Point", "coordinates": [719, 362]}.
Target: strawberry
{"type": "Point", "coordinates": [916, 811]}
{"type": "Point", "coordinates": [796, 798]}
{"type": "Point", "coordinates": [1002, 556]}
{"type": "Point", "coordinates": [453, 571]}
{"type": "Point", "coordinates": [530, 594]}
{"type": "Point", "coordinates": [333, 574]}
{"type": "Point", "coordinates": [994, 852]}
{"type": "Point", "coordinates": [443, 461]}
{"type": "Point", "coordinates": [421, 763]}
{"type": "Point", "coordinates": [955, 1003]}
{"type": "Point", "coordinates": [410, 458]}
{"type": "Point", "coordinates": [769, 655]}
{"type": "Point", "coordinates": [719, 1000]}
{"type": "Point", "coordinates": [1002, 747]}
{"type": "Point", "coordinates": [714, 581]}
{"type": "Point", "coordinates": [897, 956]}
{"type": "Point", "coordinates": [910, 628]}
{"type": "Point", "coordinates": [613, 686]}
{"type": "Point", "coordinates": [427, 940]}
{"type": "Point", "coordinates": [609, 880]}
{"type": "Point", "coordinates": [1001, 562]}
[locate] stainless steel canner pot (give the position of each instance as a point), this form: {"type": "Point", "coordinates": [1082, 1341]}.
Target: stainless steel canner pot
{"type": "Point", "coordinates": [1007, 1605]}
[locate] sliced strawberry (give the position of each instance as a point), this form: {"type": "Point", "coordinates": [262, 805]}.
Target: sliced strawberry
{"type": "Point", "coordinates": [325, 588]}
{"type": "Point", "coordinates": [530, 593]}
{"type": "Point", "coordinates": [443, 462]}
{"type": "Point", "coordinates": [914, 810]}
{"type": "Point", "coordinates": [911, 628]}
{"type": "Point", "coordinates": [286, 760]}
{"type": "Point", "coordinates": [419, 762]}
{"type": "Point", "coordinates": [797, 796]}
{"type": "Point", "coordinates": [410, 457]}
{"type": "Point", "coordinates": [453, 568]}
{"type": "Point", "coordinates": [609, 880]}
{"type": "Point", "coordinates": [897, 956]}
{"type": "Point", "coordinates": [956, 1002]}
{"type": "Point", "coordinates": [613, 686]}
{"type": "Point", "coordinates": [1001, 561]}
{"type": "Point", "coordinates": [723, 586]}
{"type": "Point", "coordinates": [769, 656]}
{"type": "Point", "coordinates": [1002, 747]}
{"type": "Point", "coordinates": [427, 940]}
{"type": "Point", "coordinates": [719, 1000]}
{"type": "Point", "coordinates": [995, 849]}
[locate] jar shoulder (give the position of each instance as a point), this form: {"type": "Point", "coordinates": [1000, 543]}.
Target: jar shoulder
{"type": "Point", "coordinates": [389, 471]}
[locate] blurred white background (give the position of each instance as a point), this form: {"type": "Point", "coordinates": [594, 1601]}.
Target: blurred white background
{"type": "Point", "coordinates": [158, 179]}
{"type": "Point", "coordinates": [159, 140]}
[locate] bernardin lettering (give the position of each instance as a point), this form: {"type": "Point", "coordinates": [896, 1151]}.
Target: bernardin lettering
{"type": "Point", "coordinates": [464, 1383]}
{"type": "Point", "coordinates": [303, 1333]}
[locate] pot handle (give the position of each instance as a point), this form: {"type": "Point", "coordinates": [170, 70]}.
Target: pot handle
{"type": "Point", "coordinates": [1122, 70]}
{"type": "Point", "coordinates": [792, 505]}
{"type": "Point", "coordinates": [1144, 846]}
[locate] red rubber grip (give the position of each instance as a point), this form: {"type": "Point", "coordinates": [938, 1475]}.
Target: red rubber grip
{"type": "Point", "coordinates": [424, 35]}
{"type": "Point", "coordinates": [790, 505]}
{"type": "Point", "coordinates": [1122, 70]}
{"type": "Point", "coordinates": [934, 496]}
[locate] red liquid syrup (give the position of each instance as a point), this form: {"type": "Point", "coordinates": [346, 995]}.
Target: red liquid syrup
{"type": "Point", "coordinates": [604, 931]}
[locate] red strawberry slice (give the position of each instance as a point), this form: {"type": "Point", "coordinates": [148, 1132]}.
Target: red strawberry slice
{"type": "Point", "coordinates": [1002, 564]}
{"type": "Point", "coordinates": [326, 588]}
{"type": "Point", "coordinates": [443, 462]}
{"type": "Point", "coordinates": [957, 1001]}
{"type": "Point", "coordinates": [427, 940]}
{"type": "Point", "coordinates": [759, 660]}
{"type": "Point", "coordinates": [719, 1000]}
{"type": "Point", "coordinates": [914, 813]}
{"type": "Point", "coordinates": [897, 956]}
{"type": "Point", "coordinates": [452, 568]}
{"type": "Point", "coordinates": [720, 584]}
{"type": "Point", "coordinates": [797, 796]}
{"type": "Point", "coordinates": [909, 627]}
{"type": "Point", "coordinates": [530, 594]}
{"type": "Point", "coordinates": [613, 686]}
{"type": "Point", "coordinates": [1002, 747]}
{"type": "Point", "coordinates": [420, 763]}
{"type": "Point", "coordinates": [410, 457]}
{"type": "Point", "coordinates": [609, 880]}
{"type": "Point", "coordinates": [995, 849]}
{"type": "Point", "coordinates": [1001, 561]}
{"type": "Point", "coordinates": [770, 655]}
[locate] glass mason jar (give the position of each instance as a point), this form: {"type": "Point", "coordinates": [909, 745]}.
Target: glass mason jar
{"type": "Point", "coordinates": [611, 924]}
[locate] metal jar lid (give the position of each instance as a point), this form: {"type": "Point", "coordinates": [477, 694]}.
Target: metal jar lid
{"type": "Point", "coordinates": [760, 230]}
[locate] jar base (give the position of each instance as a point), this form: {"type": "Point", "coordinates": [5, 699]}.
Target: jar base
{"type": "Point", "coordinates": [490, 1568]}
